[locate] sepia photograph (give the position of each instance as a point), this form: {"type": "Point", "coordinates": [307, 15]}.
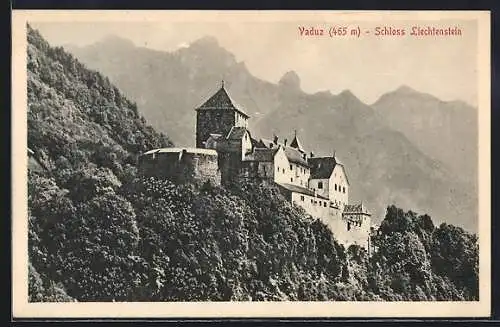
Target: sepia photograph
{"type": "Point", "coordinates": [251, 164]}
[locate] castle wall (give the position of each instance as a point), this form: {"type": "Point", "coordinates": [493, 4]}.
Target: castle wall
{"type": "Point", "coordinates": [281, 173]}
{"type": "Point", "coordinates": [182, 166]}
{"type": "Point", "coordinates": [266, 170]}
{"type": "Point", "coordinates": [316, 207]}
{"type": "Point", "coordinates": [324, 190]}
{"type": "Point", "coordinates": [346, 230]}
{"type": "Point", "coordinates": [246, 145]}
{"type": "Point", "coordinates": [358, 228]}
{"type": "Point", "coordinates": [213, 122]}
{"type": "Point", "coordinates": [230, 166]}
{"type": "Point", "coordinates": [338, 187]}
{"type": "Point", "coordinates": [240, 120]}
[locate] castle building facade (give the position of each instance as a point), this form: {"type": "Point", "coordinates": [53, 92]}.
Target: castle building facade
{"type": "Point", "coordinates": [226, 153]}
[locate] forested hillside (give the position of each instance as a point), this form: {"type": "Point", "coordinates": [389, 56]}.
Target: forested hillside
{"type": "Point", "coordinates": [100, 232]}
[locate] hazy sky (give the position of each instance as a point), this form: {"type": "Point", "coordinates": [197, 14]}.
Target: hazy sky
{"type": "Point", "coordinates": [369, 66]}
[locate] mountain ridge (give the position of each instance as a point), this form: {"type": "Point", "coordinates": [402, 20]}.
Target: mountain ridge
{"type": "Point", "coordinates": [169, 85]}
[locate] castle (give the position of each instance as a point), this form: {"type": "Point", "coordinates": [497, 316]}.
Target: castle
{"type": "Point", "coordinates": [226, 152]}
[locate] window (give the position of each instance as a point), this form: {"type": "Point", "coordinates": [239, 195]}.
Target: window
{"type": "Point", "coordinates": [343, 189]}
{"type": "Point", "coordinates": [311, 200]}
{"type": "Point", "coordinates": [335, 187]}
{"type": "Point", "coordinates": [283, 170]}
{"type": "Point", "coordinates": [348, 226]}
{"type": "Point", "coordinates": [320, 185]}
{"type": "Point", "coordinates": [291, 179]}
{"type": "Point", "coordinates": [278, 168]}
{"type": "Point", "coordinates": [291, 167]}
{"type": "Point", "coordinates": [324, 204]}
{"type": "Point", "coordinates": [301, 198]}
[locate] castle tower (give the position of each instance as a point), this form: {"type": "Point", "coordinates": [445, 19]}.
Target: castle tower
{"type": "Point", "coordinates": [217, 116]}
{"type": "Point", "coordinates": [296, 143]}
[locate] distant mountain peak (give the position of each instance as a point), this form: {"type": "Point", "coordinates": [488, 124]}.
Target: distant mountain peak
{"type": "Point", "coordinates": [205, 41]}
{"type": "Point", "coordinates": [347, 94]}
{"type": "Point", "coordinates": [115, 40]}
{"type": "Point", "coordinates": [290, 79]}
{"type": "Point", "coordinates": [405, 89]}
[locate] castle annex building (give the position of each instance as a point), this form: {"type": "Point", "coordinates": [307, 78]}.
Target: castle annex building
{"type": "Point", "coordinates": [226, 152]}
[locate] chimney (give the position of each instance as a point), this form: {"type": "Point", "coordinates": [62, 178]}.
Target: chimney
{"type": "Point", "coordinates": [182, 154]}
{"type": "Point", "coordinates": [285, 142]}
{"type": "Point", "coordinates": [312, 154]}
{"type": "Point", "coordinates": [304, 156]}
{"type": "Point", "coordinates": [275, 139]}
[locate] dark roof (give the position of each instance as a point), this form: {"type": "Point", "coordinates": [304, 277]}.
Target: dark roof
{"type": "Point", "coordinates": [267, 143]}
{"type": "Point", "coordinates": [236, 133]}
{"type": "Point", "coordinates": [321, 167]}
{"type": "Point", "coordinates": [296, 144]}
{"type": "Point", "coordinates": [262, 155]}
{"type": "Point", "coordinates": [356, 209]}
{"type": "Point", "coordinates": [301, 190]}
{"type": "Point", "coordinates": [220, 100]}
{"type": "Point", "coordinates": [295, 156]}
{"type": "Point", "coordinates": [256, 143]}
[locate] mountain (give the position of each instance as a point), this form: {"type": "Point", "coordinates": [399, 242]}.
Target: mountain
{"type": "Point", "coordinates": [445, 130]}
{"type": "Point", "coordinates": [97, 231]}
{"type": "Point", "coordinates": [168, 86]}
{"type": "Point", "coordinates": [384, 165]}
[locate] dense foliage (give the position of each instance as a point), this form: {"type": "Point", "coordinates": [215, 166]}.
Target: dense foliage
{"type": "Point", "coordinates": [100, 232]}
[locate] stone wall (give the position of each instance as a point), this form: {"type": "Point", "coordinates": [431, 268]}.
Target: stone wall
{"type": "Point", "coordinates": [345, 230]}
{"type": "Point", "coordinates": [212, 122]}
{"type": "Point", "coordinates": [182, 165]}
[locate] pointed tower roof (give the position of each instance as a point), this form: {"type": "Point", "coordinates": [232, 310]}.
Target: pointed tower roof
{"type": "Point", "coordinates": [296, 143]}
{"type": "Point", "coordinates": [221, 101]}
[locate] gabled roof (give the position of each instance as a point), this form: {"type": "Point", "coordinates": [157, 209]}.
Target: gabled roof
{"type": "Point", "coordinates": [356, 209]}
{"type": "Point", "coordinates": [295, 156]}
{"type": "Point", "coordinates": [267, 143]}
{"type": "Point", "coordinates": [296, 144]}
{"type": "Point", "coordinates": [262, 155]}
{"type": "Point", "coordinates": [237, 133]}
{"type": "Point", "coordinates": [221, 101]}
{"type": "Point", "coordinates": [321, 167]}
{"type": "Point", "coordinates": [256, 143]}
